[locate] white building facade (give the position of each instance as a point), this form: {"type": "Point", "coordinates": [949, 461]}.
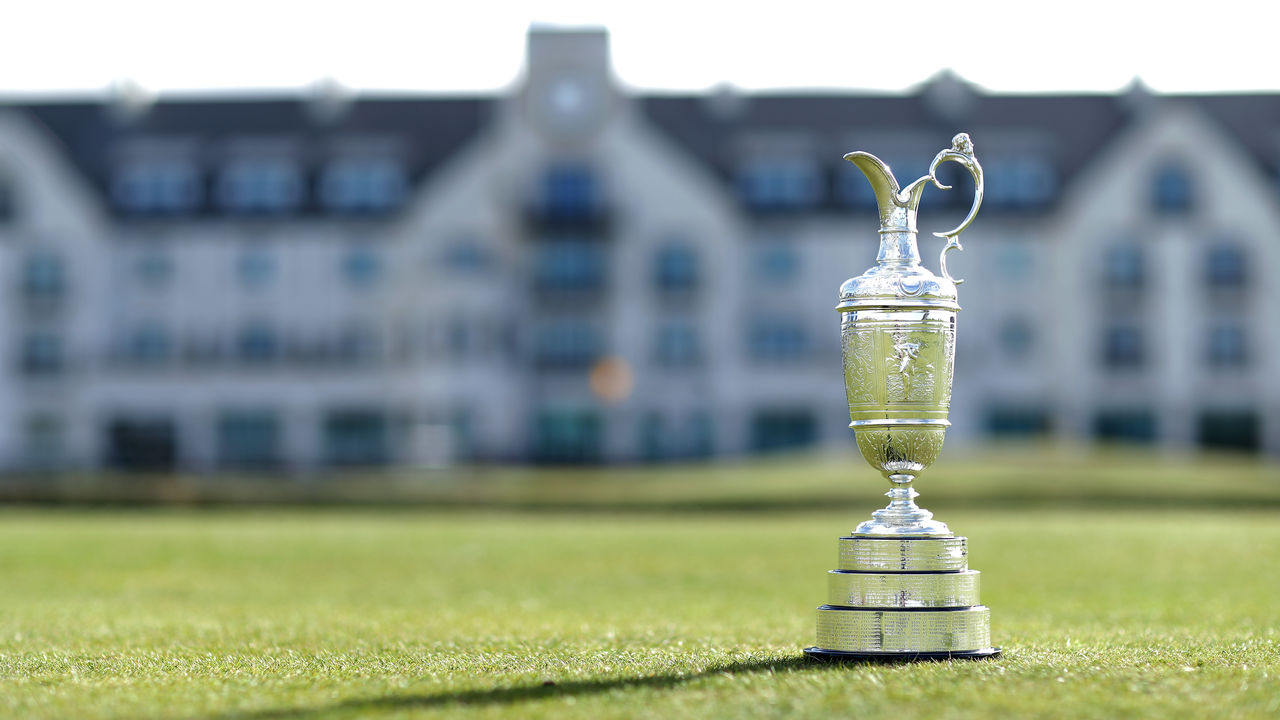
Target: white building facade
{"type": "Point", "coordinates": [576, 273]}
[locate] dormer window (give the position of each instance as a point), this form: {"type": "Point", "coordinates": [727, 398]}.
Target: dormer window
{"type": "Point", "coordinates": [260, 187]}
{"type": "Point", "coordinates": [362, 186]}
{"type": "Point", "coordinates": [1019, 182]}
{"type": "Point", "coordinates": [780, 184]}
{"type": "Point", "coordinates": [1171, 191]}
{"type": "Point", "coordinates": [157, 187]}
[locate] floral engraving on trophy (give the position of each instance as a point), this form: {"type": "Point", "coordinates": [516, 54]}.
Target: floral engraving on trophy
{"type": "Point", "coordinates": [859, 368]}
{"type": "Point", "coordinates": [900, 450]}
{"type": "Point", "coordinates": [949, 365]}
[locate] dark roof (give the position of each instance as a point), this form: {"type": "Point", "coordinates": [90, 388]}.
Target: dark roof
{"type": "Point", "coordinates": [428, 130]}
{"type": "Point", "coordinates": [425, 131]}
{"type": "Point", "coordinates": [1077, 126]}
{"type": "Point", "coordinates": [1254, 120]}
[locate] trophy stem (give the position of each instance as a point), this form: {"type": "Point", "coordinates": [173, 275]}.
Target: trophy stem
{"type": "Point", "coordinates": [902, 516]}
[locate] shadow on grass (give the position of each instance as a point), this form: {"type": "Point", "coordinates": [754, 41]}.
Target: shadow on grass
{"type": "Point", "coordinates": [525, 693]}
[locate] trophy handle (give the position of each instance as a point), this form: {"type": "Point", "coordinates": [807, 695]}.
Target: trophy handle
{"type": "Point", "coordinates": [961, 151]}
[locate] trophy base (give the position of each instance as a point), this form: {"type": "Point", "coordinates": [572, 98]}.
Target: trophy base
{"type": "Point", "coordinates": [903, 599]}
{"type": "Point", "coordinates": [822, 655]}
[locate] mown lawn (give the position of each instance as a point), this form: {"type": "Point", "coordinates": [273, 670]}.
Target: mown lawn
{"type": "Point", "coordinates": [1103, 610]}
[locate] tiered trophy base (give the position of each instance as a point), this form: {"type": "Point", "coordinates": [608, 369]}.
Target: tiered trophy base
{"type": "Point", "coordinates": [903, 598]}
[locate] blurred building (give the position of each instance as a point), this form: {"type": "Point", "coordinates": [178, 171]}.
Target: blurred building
{"type": "Point", "coordinates": [575, 272]}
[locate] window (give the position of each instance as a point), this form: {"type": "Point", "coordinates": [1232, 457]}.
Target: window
{"type": "Point", "coordinates": [255, 268]}
{"type": "Point", "coordinates": [1023, 182]}
{"type": "Point", "coordinates": [260, 186]}
{"type": "Point", "coordinates": [167, 187]}
{"type": "Point", "coordinates": [701, 434]}
{"type": "Point", "coordinates": [569, 266]}
{"type": "Point", "coordinates": [43, 277]}
{"type": "Point", "coordinates": [1016, 336]}
{"type": "Point", "coordinates": [1124, 267]}
{"type": "Point", "coordinates": [659, 439]}
{"type": "Point", "coordinates": [466, 256]}
{"type": "Point", "coordinates": [44, 442]}
{"type": "Point", "coordinates": [1227, 346]}
{"type": "Point", "coordinates": [675, 269]}
{"type": "Point", "coordinates": [1229, 430]}
{"type": "Point", "coordinates": [677, 344]}
{"type": "Point", "coordinates": [566, 344]}
{"type": "Point", "coordinates": [775, 264]}
{"type": "Point", "coordinates": [257, 343]}
{"type": "Point", "coordinates": [652, 440]}
{"type": "Point", "coordinates": [362, 186]}
{"type": "Point", "coordinates": [569, 192]}
{"type": "Point", "coordinates": [782, 430]}
{"type": "Point", "coordinates": [776, 340]}
{"type": "Point", "coordinates": [567, 436]}
{"type": "Point", "coordinates": [1129, 425]}
{"type": "Point", "coordinates": [1171, 191]}
{"type": "Point", "coordinates": [357, 437]}
{"type": "Point", "coordinates": [779, 185]}
{"type": "Point", "coordinates": [154, 269]}
{"type": "Point", "coordinates": [1225, 268]}
{"type": "Point", "coordinates": [361, 267]}
{"type": "Point", "coordinates": [1017, 421]}
{"type": "Point", "coordinates": [42, 355]}
{"type": "Point", "coordinates": [142, 443]}
{"type": "Point", "coordinates": [357, 344]}
{"type": "Point", "coordinates": [1122, 347]}
{"type": "Point", "coordinates": [248, 439]}
{"type": "Point", "coordinates": [149, 345]}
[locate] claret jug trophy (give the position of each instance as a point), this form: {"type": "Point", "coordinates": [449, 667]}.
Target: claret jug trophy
{"type": "Point", "coordinates": [902, 588]}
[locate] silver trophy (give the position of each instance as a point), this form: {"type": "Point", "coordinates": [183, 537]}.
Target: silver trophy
{"type": "Point", "coordinates": [902, 588]}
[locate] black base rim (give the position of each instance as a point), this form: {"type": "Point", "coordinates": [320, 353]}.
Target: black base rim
{"type": "Point", "coordinates": [817, 653]}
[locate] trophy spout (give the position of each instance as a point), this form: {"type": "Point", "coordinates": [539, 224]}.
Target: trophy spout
{"type": "Point", "coordinates": [897, 206]}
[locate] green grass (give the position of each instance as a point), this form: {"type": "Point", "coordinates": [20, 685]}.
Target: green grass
{"type": "Point", "coordinates": [1103, 611]}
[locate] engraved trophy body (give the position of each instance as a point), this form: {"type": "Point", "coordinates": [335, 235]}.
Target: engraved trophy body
{"type": "Point", "coordinates": [902, 588]}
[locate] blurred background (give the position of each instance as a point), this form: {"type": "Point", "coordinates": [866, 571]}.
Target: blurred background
{"type": "Point", "coordinates": [532, 254]}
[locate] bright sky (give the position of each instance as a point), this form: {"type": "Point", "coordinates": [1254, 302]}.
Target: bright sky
{"type": "Point", "coordinates": [469, 45]}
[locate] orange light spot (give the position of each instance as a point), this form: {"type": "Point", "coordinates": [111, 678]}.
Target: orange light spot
{"type": "Point", "coordinates": [611, 379]}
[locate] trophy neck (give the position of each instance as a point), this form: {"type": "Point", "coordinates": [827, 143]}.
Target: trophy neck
{"type": "Point", "coordinates": [898, 247]}
{"type": "Point", "coordinates": [902, 517]}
